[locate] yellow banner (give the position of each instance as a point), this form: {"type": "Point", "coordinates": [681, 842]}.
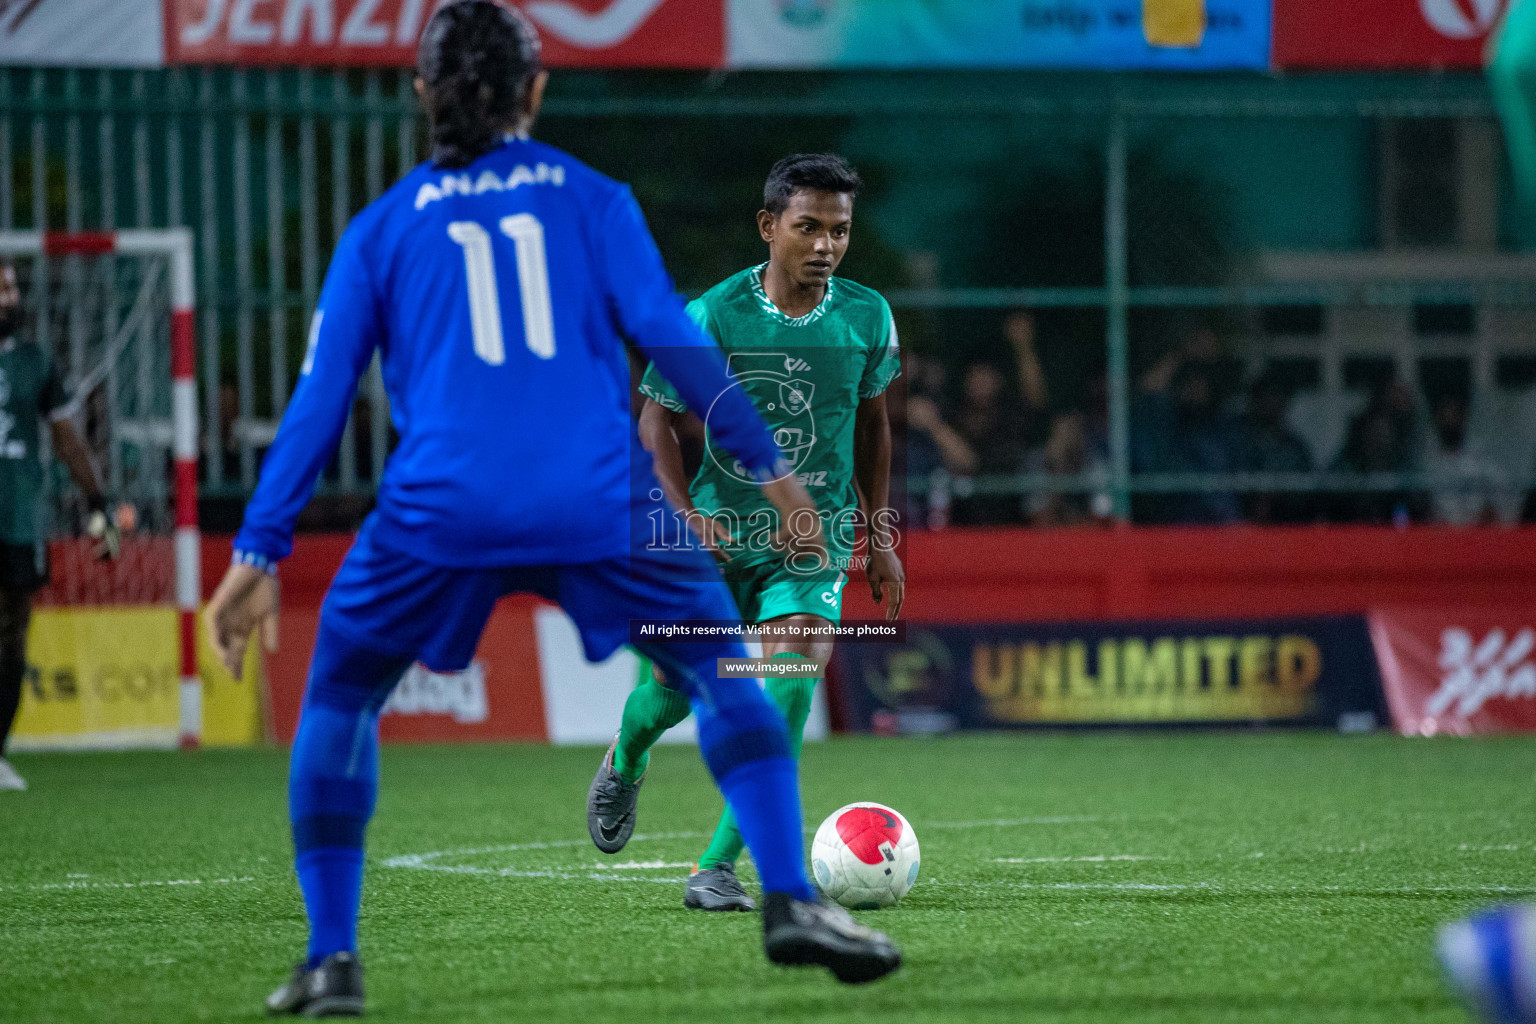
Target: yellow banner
{"type": "Point", "coordinates": [1161, 679]}
{"type": "Point", "coordinates": [1173, 23]}
{"type": "Point", "coordinates": [109, 677]}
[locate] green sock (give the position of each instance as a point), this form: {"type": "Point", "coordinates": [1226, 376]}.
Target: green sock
{"type": "Point", "coordinates": [651, 710]}
{"type": "Point", "coordinates": [793, 697]}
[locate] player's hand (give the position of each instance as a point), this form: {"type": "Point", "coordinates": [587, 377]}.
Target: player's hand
{"type": "Point", "coordinates": [101, 529]}
{"type": "Point", "coordinates": [247, 599]}
{"type": "Point", "coordinates": [887, 580]}
{"type": "Point", "coordinates": [800, 534]}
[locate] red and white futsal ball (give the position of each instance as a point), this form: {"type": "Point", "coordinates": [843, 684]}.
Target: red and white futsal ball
{"type": "Point", "coordinates": [865, 856]}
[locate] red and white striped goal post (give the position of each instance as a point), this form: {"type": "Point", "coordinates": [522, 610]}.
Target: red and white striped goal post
{"type": "Point", "coordinates": [176, 245]}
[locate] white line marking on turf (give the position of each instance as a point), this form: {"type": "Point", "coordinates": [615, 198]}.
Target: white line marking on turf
{"type": "Point", "coordinates": [1012, 822]}
{"type": "Point", "coordinates": [151, 884]}
{"type": "Point", "coordinates": [429, 861]}
{"type": "Point", "coordinates": [1100, 859]}
{"type": "Point", "coordinates": [645, 865]}
{"type": "Point", "coordinates": [1247, 890]}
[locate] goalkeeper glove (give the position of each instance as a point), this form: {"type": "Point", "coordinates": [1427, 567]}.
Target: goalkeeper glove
{"type": "Point", "coordinates": [101, 529]}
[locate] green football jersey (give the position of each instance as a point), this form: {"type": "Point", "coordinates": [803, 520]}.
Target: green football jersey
{"type": "Point", "coordinates": [806, 376]}
{"type": "Point", "coordinates": [28, 392]}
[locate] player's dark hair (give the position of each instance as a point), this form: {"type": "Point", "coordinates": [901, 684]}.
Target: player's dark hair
{"type": "Point", "coordinates": [478, 59]}
{"type": "Point", "coordinates": [817, 172]}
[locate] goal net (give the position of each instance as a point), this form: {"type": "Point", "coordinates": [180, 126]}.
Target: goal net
{"type": "Point", "coordinates": [112, 649]}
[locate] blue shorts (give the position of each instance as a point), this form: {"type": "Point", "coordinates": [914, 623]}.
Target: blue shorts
{"type": "Point", "coordinates": [391, 603]}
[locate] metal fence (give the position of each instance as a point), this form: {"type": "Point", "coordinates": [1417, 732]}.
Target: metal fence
{"type": "Point", "coordinates": [268, 167]}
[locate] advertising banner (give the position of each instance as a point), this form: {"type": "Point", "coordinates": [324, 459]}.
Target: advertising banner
{"type": "Point", "coordinates": [1383, 34]}
{"type": "Point", "coordinates": [110, 33]}
{"type": "Point", "coordinates": [1104, 34]}
{"type": "Point", "coordinates": [108, 677]}
{"type": "Point", "coordinates": [498, 697]}
{"type": "Point", "coordinates": [383, 33]}
{"type": "Point", "coordinates": [1311, 670]}
{"type": "Point", "coordinates": [529, 680]}
{"type": "Point", "coordinates": [1460, 671]}
{"type": "Point", "coordinates": [1093, 34]}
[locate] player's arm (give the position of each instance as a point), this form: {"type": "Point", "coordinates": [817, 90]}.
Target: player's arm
{"type": "Point", "coordinates": [872, 479]}
{"type": "Point", "coordinates": [651, 314]}
{"type": "Point", "coordinates": [70, 448]}
{"type": "Point", "coordinates": [347, 326]}
{"type": "Point", "coordinates": [658, 433]}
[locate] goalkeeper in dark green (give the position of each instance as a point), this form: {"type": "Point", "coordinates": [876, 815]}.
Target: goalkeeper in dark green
{"type": "Point", "coordinates": [815, 353]}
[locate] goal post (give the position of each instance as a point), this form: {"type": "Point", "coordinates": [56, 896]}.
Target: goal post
{"type": "Point", "coordinates": [106, 306]}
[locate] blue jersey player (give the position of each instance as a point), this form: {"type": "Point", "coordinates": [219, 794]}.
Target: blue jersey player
{"type": "Point", "coordinates": [498, 282]}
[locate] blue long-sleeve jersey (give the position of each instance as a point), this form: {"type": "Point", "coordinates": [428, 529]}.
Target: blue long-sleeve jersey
{"type": "Point", "coordinates": [499, 297]}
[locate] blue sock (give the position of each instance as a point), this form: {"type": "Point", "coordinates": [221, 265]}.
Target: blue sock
{"type": "Point", "coordinates": [333, 783]}
{"type": "Point", "coordinates": [745, 743]}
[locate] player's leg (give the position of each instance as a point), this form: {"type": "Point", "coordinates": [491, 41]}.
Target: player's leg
{"type": "Point", "coordinates": [15, 615]}
{"type": "Point", "coordinates": [793, 696]}
{"type": "Point", "coordinates": [746, 746]}
{"type": "Point", "coordinates": [383, 611]}
{"type": "Point", "coordinates": [332, 786]}
{"type": "Point", "coordinates": [783, 599]}
{"type": "Point", "coordinates": [744, 742]}
{"type": "Point", "coordinates": [23, 569]}
{"type": "Point", "coordinates": [653, 707]}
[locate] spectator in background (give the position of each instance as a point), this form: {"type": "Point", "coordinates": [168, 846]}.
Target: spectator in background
{"type": "Point", "coordinates": [1069, 452]}
{"type": "Point", "coordinates": [996, 426]}
{"type": "Point", "coordinates": [1178, 427]}
{"type": "Point", "coordinates": [925, 450]}
{"type": "Point", "coordinates": [1019, 329]}
{"type": "Point", "coordinates": [1380, 440]}
{"type": "Point", "coordinates": [1267, 445]}
{"type": "Point", "coordinates": [995, 432]}
{"type": "Point", "coordinates": [1467, 488]}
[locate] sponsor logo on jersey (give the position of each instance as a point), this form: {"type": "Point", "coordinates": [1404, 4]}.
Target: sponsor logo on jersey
{"type": "Point", "coordinates": [488, 182]}
{"type": "Point", "coordinates": [792, 400]}
{"type": "Point", "coordinates": [795, 396]}
{"type": "Point", "coordinates": [1473, 673]}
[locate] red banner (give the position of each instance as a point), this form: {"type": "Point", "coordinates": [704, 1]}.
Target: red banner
{"type": "Point", "coordinates": [499, 697]}
{"type": "Point", "coordinates": [1383, 34]}
{"type": "Point", "coordinates": [383, 33]}
{"type": "Point", "coordinates": [1460, 672]}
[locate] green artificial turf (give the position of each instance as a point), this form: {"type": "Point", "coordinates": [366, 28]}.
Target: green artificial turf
{"type": "Point", "coordinates": [1099, 877]}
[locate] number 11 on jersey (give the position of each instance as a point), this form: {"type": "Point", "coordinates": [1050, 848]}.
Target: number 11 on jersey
{"type": "Point", "coordinates": [527, 235]}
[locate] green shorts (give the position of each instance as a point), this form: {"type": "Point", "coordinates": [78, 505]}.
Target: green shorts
{"type": "Point", "coordinates": [769, 590]}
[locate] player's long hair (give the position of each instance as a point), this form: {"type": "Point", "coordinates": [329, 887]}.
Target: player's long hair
{"type": "Point", "coordinates": [478, 60]}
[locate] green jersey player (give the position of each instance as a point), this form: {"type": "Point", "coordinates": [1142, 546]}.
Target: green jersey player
{"type": "Point", "coordinates": [816, 354]}
{"type": "Point", "coordinates": [30, 392]}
